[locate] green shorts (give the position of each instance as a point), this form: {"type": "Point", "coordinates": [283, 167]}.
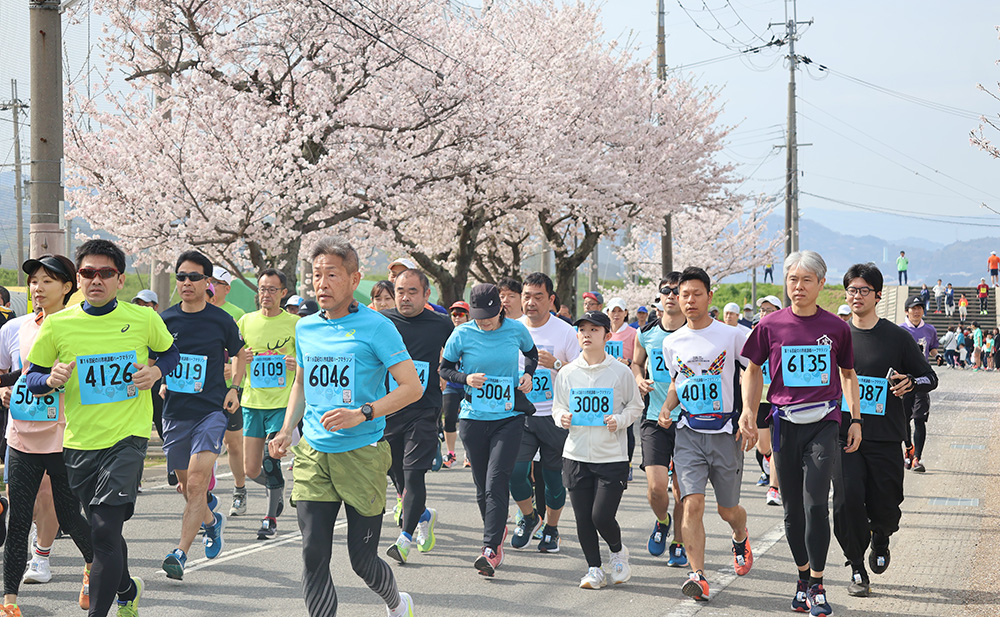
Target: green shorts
{"type": "Point", "coordinates": [357, 477]}
{"type": "Point", "coordinates": [260, 423]}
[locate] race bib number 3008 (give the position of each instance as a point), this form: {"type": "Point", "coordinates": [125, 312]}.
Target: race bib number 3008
{"type": "Point", "coordinates": [590, 405]}
{"type": "Point", "coordinates": [106, 378]}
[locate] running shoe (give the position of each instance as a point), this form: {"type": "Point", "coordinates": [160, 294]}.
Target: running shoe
{"type": "Point", "coordinates": [629, 474]}
{"type": "Point", "coordinates": [742, 556]}
{"type": "Point", "coordinates": [397, 511]}
{"type": "Point", "coordinates": [400, 549]}
{"type": "Point", "coordinates": [467, 463]}
{"type": "Point", "coordinates": [696, 587]}
{"type": "Point", "coordinates": [816, 598]}
{"type": "Point", "coordinates": [268, 529]}
{"type": "Point", "coordinates": [488, 562]}
{"type": "Point", "coordinates": [860, 586]}
{"type": "Point", "coordinates": [620, 571]}
{"type": "Point", "coordinates": [773, 497]}
{"type": "Point", "coordinates": [405, 608]}
{"type": "Point", "coordinates": [10, 610]}
{"type": "Point", "coordinates": [38, 571]}
{"type": "Point", "coordinates": [526, 528]}
{"type": "Point", "coordinates": [449, 460]}
{"type": "Point", "coordinates": [918, 466]}
{"type": "Point", "coordinates": [85, 591]}
{"type": "Point", "coordinates": [438, 459]}
{"type": "Point", "coordinates": [800, 601]}
{"type": "Point", "coordinates": [213, 501]}
{"type": "Point", "coordinates": [131, 608]}
{"type": "Point", "coordinates": [173, 564]}
{"type": "Point", "coordinates": [171, 478]}
{"type": "Point", "coordinates": [879, 557]}
{"type": "Point", "coordinates": [908, 456]}
{"type": "Point", "coordinates": [763, 480]}
{"type": "Point", "coordinates": [658, 539]}
{"type": "Point", "coordinates": [213, 536]}
{"type": "Point", "coordinates": [239, 507]}
{"type": "Point", "coordinates": [3, 524]}
{"type": "Point", "coordinates": [678, 556]}
{"type": "Point", "coordinates": [425, 530]}
{"type": "Point", "coordinates": [550, 540]}
{"type": "Point", "coordinates": [593, 579]}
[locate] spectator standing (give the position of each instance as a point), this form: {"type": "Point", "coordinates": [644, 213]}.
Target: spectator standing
{"type": "Point", "coordinates": [963, 308]}
{"type": "Point", "coordinates": [950, 344]}
{"type": "Point", "coordinates": [993, 264]}
{"type": "Point", "coordinates": [983, 292]}
{"type": "Point", "coordinates": [925, 297]}
{"type": "Point", "coordinates": [769, 272]}
{"type": "Point", "coordinates": [949, 300]}
{"type": "Point", "coordinates": [902, 265]}
{"type": "Point", "coordinates": [938, 296]}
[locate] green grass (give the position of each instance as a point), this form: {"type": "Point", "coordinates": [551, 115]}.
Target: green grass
{"type": "Point", "coordinates": [830, 298]}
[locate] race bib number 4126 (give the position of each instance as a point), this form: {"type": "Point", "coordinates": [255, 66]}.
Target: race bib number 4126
{"type": "Point", "coordinates": [106, 378]}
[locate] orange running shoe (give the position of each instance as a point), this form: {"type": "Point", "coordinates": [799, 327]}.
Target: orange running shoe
{"type": "Point", "coordinates": [10, 610]}
{"type": "Point", "coordinates": [85, 591]}
{"type": "Point", "coordinates": [742, 556]}
{"type": "Point", "coordinates": [696, 587]}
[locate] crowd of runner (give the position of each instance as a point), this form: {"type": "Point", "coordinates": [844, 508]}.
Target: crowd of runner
{"type": "Point", "coordinates": [548, 411]}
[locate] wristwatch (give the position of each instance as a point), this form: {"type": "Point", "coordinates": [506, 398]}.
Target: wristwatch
{"type": "Point", "coordinates": [860, 421]}
{"type": "Point", "coordinates": [368, 411]}
{"type": "Point", "coordinates": [557, 364]}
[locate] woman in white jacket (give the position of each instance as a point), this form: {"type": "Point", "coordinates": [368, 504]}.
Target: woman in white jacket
{"type": "Point", "coordinates": [597, 399]}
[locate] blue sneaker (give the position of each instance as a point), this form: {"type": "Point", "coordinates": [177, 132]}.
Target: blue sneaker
{"type": "Point", "coordinates": [658, 539]}
{"type": "Point", "coordinates": [800, 601]}
{"type": "Point", "coordinates": [213, 536]}
{"type": "Point", "coordinates": [173, 564]}
{"type": "Point", "coordinates": [816, 598]}
{"type": "Point", "coordinates": [678, 556]}
{"type": "Point", "coordinates": [524, 531]}
{"type": "Point", "coordinates": [213, 502]}
{"type": "Point", "coordinates": [550, 540]}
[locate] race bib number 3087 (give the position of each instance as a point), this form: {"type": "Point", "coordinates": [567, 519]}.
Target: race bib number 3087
{"type": "Point", "coordinates": [106, 378]}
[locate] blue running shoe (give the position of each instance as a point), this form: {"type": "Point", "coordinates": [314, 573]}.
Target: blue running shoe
{"type": "Point", "coordinates": [524, 531]}
{"type": "Point", "coordinates": [173, 564]}
{"type": "Point", "coordinates": [678, 556]}
{"type": "Point", "coordinates": [658, 539]}
{"type": "Point", "coordinates": [213, 501]}
{"type": "Point", "coordinates": [800, 601]}
{"type": "Point", "coordinates": [550, 540]}
{"type": "Point", "coordinates": [213, 536]}
{"type": "Point", "coordinates": [816, 598]}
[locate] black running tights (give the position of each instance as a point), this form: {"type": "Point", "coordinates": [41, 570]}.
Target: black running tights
{"type": "Point", "coordinates": [595, 505]}
{"type": "Point", "coordinates": [411, 484]}
{"type": "Point", "coordinates": [109, 575]}
{"type": "Point", "coordinates": [316, 521]}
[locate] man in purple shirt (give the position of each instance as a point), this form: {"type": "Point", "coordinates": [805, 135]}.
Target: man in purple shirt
{"type": "Point", "coordinates": [917, 405]}
{"type": "Point", "coordinates": [804, 345]}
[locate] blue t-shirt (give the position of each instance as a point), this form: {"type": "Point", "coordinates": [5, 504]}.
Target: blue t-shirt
{"type": "Point", "coordinates": [357, 350]}
{"type": "Point", "coordinates": [206, 339]}
{"type": "Point", "coordinates": [650, 339]}
{"type": "Point", "coordinates": [492, 352]}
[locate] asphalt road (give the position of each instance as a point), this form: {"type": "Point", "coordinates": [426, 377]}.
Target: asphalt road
{"type": "Point", "coordinates": [949, 524]}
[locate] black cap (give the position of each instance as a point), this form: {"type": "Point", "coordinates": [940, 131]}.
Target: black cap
{"type": "Point", "coordinates": [914, 301]}
{"type": "Point", "coordinates": [50, 263]}
{"type": "Point", "coordinates": [307, 308]}
{"type": "Point", "coordinates": [598, 318]}
{"type": "Point", "coordinates": [484, 301]}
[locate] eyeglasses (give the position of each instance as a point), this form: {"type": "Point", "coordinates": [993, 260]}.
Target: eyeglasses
{"type": "Point", "coordinates": [104, 273]}
{"type": "Point", "coordinates": [859, 291]}
{"type": "Point", "coordinates": [269, 290]}
{"type": "Point", "coordinates": [190, 276]}
{"type": "Point", "coordinates": [666, 291]}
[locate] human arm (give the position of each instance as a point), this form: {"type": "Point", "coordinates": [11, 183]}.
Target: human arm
{"type": "Point", "coordinates": [752, 384]}
{"type": "Point", "coordinates": [628, 389]}
{"type": "Point", "coordinates": [409, 391]}
{"type": "Point", "coordinates": [279, 444]}
{"type": "Point", "coordinates": [638, 368]}
{"type": "Point", "coordinates": [849, 384]}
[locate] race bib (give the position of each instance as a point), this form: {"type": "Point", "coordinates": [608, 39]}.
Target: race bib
{"type": "Point", "coordinates": [873, 391]}
{"type": "Point", "coordinates": [805, 366]}
{"type": "Point", "coordinates": [496, 395]}
{"type": "Point", "coordinates": [267, 371]}
{"type": "Point", "coordinates": [106, 378]}
{"type": "Point", "coordinates": [26, 406]}
{"type": "Point", "coordinates": [189, 375]}
{"type": "Point", "coordinates": [701, 394]}
{"type": "Point", "coordinates": [658, 367]}
{"type": "Point", "coordinates": [541, 386]}
{"type": "Point", "coordinates": [614, 349]}
{"type": "Point", "coordinates": [766, 370]}
{"type": "Point", "coordinates": [423, 370]}
{"type": "Point", "coordinates": [329, 380]}
{"type": "Point", "coordinates": [590, 405]}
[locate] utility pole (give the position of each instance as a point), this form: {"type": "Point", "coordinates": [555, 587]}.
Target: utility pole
{"type": "Point", "coordinates": [159, 271]}
{"type": "Point", "coordinates": [666, 238]}
{"type": "Point", "coordinates": [16, 106]}
{"type": "Point", "coordinates": [46, 188]}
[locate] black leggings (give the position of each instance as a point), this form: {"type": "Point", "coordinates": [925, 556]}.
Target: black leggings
{"type": "Point", "coordinates": [412, 485]}
{"type": "Point", "coordinates": [316, 521]}
{"type": "Point", "coordinates": [595, 504]}
{"type": "Point", "coordinates": [109, 575]}
{"type": "Point", "coordinates": [492, 447]}
{"type": "Point", "coordinates": [24, 475]}
{"type": "Point", "coordinates": [919, 436]}
{"type": "Point", "coordinates": [806, 461]}
{"type": "Point", "coordinates": [451, 403]}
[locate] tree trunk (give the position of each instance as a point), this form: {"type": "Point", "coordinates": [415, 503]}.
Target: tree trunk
{"type": "Point", "coordinates": [566, 262]}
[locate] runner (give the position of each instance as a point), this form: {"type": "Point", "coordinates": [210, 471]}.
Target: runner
{"type": "Point", "coordinates": [593, 301]}
{"type": "Point", "coordinates": [400, 265]}
{"type": "Point", "coordinates": [197, 403]}
{"type": "Point", "coordinates": [557, 345]}
{"type": "Point", "coordinates": [595, 399]}
{"type": "Point", "coordinates": [769, 472]}
{"type": "Point", "coordinates": [269, 335]}
{"type": "Point", "coordinates": [382, 296]}
{"type": "Point", "coordinates": [344, 353]}
{"type": "Point", "coordinates": [490, 425]}
{"type": "Point", "coordinates": [412, 432]}
{"type": "Point", "coordinates": [451, 397]}
{"type": "Point", "coordinates": [222, 282]}
{"type": "Point", "coordinates": [510, 297]}
{"type": "Point", "coordinates": [35, 440]}
{"type": "Point", "coordinates": [621, 346]}
{"type": "Point", "coordinates": [703, 359]}
{"type": "Point", "coordinates": [108, 408]}
{"type": "Point", "coordinates": [803, 344]}
{"type": "Point", "coordinates": [293, 304]}
{"type": "Point", "coordinates": [917, 403]}
{"type": "Point", "coordinates": [653, 379]}
{"type": "Point", "coordinates": [869, 490]}
{"type": "Point", "coordinates": [731, 317]}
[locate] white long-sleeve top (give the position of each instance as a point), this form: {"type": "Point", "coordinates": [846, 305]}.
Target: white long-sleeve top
{"type": "Point", "coordinates": [596, 444]}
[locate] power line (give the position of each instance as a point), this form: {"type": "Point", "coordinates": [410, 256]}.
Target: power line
{"type": "Point", "coordinates": [906, 213]}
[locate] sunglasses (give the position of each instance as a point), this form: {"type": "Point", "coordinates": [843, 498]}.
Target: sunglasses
{"type": "Point", "coordinates": [104, 273]}
{"type": "Point", "coordinates": [190, 276]}
{"type": "Point", "coordinates": [458, 313]}
{"type": "Point", "coordinates": [666, 291]}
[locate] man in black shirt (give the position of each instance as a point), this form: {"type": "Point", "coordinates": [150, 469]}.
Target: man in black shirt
{"type": "Point", "coordinates": [412, 431]}
{"type": "Point", "coordinates": [869, 488]}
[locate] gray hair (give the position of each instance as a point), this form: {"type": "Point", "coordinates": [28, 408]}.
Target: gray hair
{"type": "Point", "coordinates": [810, 260]}
{"type": "Point", "coordinates": [337, 248]}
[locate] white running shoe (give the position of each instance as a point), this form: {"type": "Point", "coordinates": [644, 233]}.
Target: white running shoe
{"type": "Point", "coordinates": [405, 608]}
{"type": "Point", "coordinates": [38, 571]}
{"type": "Point", "coordinates": [593, 579]}
{"type": "Point", "coordinates": [620, 571]}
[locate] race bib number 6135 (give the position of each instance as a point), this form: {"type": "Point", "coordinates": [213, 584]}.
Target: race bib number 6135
{"type": "Point", "coordinates": [805, 366]}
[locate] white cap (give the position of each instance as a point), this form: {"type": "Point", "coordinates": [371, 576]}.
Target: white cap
{"type": "Point", "coordinates": [614, 303]}
{"type": "Point", "coordinates": [295, 301]}
{"type": "Point", "coordinates": [221, 274]}
{"type": "Point", "coordinates": [732, 307]}
{"type": "Point", "coordinates": [147, 295]}
{"type": "Point", "coordinates": [770, 300]}
{"type": "Point", "coordinates": [844, 310]}
{"type": "Point", "coordinates": [747, 307]}
{"type": "Point", "coordinates": [658, 306]}
{"type": "Point", "coordinates": [409, 264]}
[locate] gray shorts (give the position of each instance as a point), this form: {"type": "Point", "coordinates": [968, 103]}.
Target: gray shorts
{"type": "Point", "coordinates": [107, 477]}
{"type": "Point", "coordinates": [700, 457]}
{"type": "Point", "coordinates": [183, 438]}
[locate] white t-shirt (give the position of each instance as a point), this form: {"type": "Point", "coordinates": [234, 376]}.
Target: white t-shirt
{"type": "Point", "coordinates": [10, 343]}
{"type": "Point", "coordinates": [713, 350]}
{"type": "Point", "coordinates": [559, 339]}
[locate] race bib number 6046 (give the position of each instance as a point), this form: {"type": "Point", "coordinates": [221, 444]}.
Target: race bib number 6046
{"type": "Point", "coordinates": [329, 380]}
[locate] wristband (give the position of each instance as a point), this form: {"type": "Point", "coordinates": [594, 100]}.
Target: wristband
{"type": "Point", "coordinates": [858, 421]}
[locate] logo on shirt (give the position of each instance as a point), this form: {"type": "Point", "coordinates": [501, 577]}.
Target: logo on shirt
{"type": "Point", "coordinates": [127, 326]}
{"type": "Point", "coordinates": [715, 368]}
{"type": "Point", "coordinates": [824, 340]}
{"type": "Point", "coordinates": [279, 345]}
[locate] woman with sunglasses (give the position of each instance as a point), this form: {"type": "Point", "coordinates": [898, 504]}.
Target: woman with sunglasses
{"type": "Point", "coordinates": [35, 437]}
{"type": "Point", "coordinates": [491, 428]}
{"type": "Point", "coordinates": [452, 394]}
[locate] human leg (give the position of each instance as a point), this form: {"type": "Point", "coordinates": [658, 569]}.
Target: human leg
{"type": "Point", "coordinates": [316, 520]}
{"type": "Point", "coordinates": [24, 474]}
